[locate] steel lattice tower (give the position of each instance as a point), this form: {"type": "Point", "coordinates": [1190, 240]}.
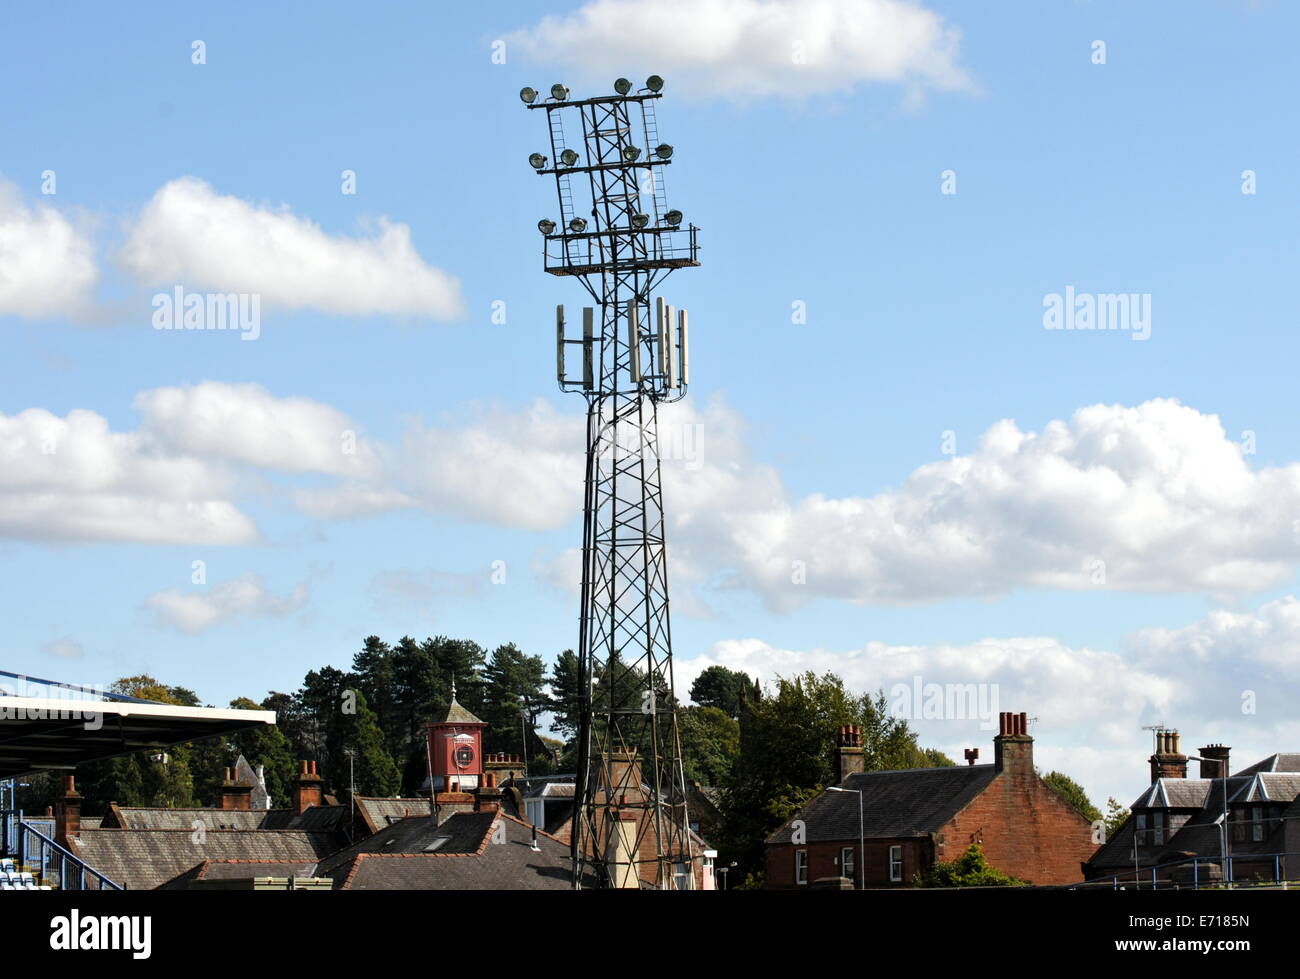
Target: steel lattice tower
{"type": "Point", "coordinates": [627, 830]}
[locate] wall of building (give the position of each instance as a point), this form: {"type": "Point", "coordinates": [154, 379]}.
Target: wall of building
{"type": "Point", "coordinates": [824, 861]}
{"type": "Point", "coordinates": [1025, 828]}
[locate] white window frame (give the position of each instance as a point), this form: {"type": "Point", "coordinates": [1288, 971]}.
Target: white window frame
{"type": "Point", "coordinates": [895, 863]}
{"type": "Point", "coordinates": [849, 859]}
{"type": "Point", "coordinates": [801, 867]}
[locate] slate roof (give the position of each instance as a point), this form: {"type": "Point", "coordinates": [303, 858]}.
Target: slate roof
{"type": "Point", "coordinates": [240, 870]}
{"type": "Point", "coordinates": [141, 859]}
{"type": "Point", "coordinates": [1174, 793]}
{"type": "Point", "coordinates": [509, 864]}
{"type": "Point", "coordinates": [456, 714]}
{"type": "Point", "coordinates": [895, 804]}
{"type": "Point", "coordinates": [316, 819]}
{"type": "Point", "coordinates": [1283, 761]}
{"type": "Point", "coordinates": [378, 813]}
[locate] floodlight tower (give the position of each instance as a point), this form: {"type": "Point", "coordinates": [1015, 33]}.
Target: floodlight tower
{"type": "Point", "coordinates": [619, 239]}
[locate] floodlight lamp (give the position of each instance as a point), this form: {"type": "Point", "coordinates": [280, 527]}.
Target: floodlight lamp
{"type": "Point", "coordinates": [578, 225]}
{"type": "Point", "coordinates": [568, 158]}
{"type": "Point", "coordinates": [536, 161]}
{"type": "Point", "coordinates": [673, 217]}
{"type": "Point", "coordinates": [559, 92]}
{"type": "Point", "coordinates": [663, 151]}
{"type": "Point", "coordinates": [622, 86]}
{"type": "Point", "coordinates": [546, 226]}
{"type": "Point", "coordinates": [529, 95]}
{"type": "Point", "coordinates": [640, 220]}
{"type": "Point", "coordinates": [630, 153]}
{"type": "Point", "coordinates": [654, 83]}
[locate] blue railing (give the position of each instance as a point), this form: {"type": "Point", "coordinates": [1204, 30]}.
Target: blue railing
{"type": "Point", "coordinates": [31, 848]}
{"type": "Point", "coordinates": [1196, 873]}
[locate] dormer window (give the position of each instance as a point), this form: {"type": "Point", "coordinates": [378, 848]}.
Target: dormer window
{"type": "Point", "coordinates": [1152, 828]}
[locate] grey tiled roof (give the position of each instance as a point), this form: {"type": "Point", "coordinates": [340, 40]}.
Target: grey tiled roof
{"type": "Point", "coordinates": [1283, 761]}
{"type": "Point", "coordinates": [1174, 793]}
{"type": "Point", "coordinates": [145, 858]}
{"type": "Point", "coordinates": [907, 802]}
{"type": "Point", "coordinates": [511, 864]}
{"type": "Point", "coordinates": [160, 818]}
{"type": "Point", "coordinates": [456, 714]}
{"type": "Point", "coordinates": [378, 813]}
{"type": "Point", "coordinates": [240, 870]}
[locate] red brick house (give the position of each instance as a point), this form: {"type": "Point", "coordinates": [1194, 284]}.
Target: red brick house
{"type": "Point", "coordinates": [914, 817]}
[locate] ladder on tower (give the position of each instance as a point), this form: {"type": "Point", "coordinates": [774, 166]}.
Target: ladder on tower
{"type": "Point", "coordinates": [659, 194]}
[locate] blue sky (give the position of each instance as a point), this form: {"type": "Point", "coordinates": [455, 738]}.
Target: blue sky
{"type": "Point", "coordinates": [821, 187]}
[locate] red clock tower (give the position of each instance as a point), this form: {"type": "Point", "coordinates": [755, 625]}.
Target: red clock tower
{"type": "Point", "coordinates": [456, 749]}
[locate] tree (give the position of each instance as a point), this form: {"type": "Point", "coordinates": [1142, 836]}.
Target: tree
{"type": "Point", "coordinates": [267, 745]}
{"type": "Point", "coordinates": [722, 688]}
{"type": "Point", "coordinates": [1116, 816]}
{"type": "Point", "coordinates": [566, 684]}
{"type": "Point", "coordinates": [710, 741]}
{"type": "Point", "coordinates": [1072, 793]}
{"type": "Point", "coordinates": [514, 697]}
{"type": "Point", "coordinates": [787, 746]}
{"type": "Point", "coordinates": [971, 869]}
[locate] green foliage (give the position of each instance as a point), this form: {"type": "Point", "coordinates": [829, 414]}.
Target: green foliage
{"type": "Point", "coordinates": [513, 699]}
{"type": "Point", "coordinates": [787, 750]}
{"type": "Point", "coordinates": [1116, 815]}
{"type": "Point", "coordinates": [1072, 792]}
{"type": "Point", "coordinates": [971, 869]}
{"type": "Point", "coordinates": [710, 741]}
{"type": "Point", "coordinates": [725, 689]}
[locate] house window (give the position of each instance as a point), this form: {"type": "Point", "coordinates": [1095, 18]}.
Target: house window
{"type": "Point", "coordinates": [1251, 824]}
{"type": "Point", "coordinates": [847, 864]}
{"type": "Point", "coordinates": [801, 866]}
{"type": "Point", "coordinates": [1151, 828]}
{"type": "Point", "coordinates": [895, 863]}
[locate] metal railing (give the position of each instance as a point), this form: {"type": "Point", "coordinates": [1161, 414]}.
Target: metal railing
{"type": "Point", "coordinates": [32, 849]}
{"type": "Point", "coordinates": [1281, 870]}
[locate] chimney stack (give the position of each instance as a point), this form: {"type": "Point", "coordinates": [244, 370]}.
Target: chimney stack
{"type": "Point", "coordinates": [308, 787]}
{"type": "Point", "coordinates": [1217, 765]}
{"type": "Point", "coordinates": [231, 795]}
{"type": "Point", "coordinates": [67, 814]}
{"type": "Point", "coordinates": [1168, 761]}
{"type": "Point", "coordinates": [972, 755]}
{"type": "Point", "coordinates": [488, 796]}
{"type": "Point", "coordinates": [850, 759]}
{"type": "Point", "coordinates": [1013, 748]}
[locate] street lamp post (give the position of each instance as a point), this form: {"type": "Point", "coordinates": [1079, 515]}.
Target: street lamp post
{"type": "Point", "coordinates": [1223, 773]}
{"type": "Point", "coordinates": [860, 871]}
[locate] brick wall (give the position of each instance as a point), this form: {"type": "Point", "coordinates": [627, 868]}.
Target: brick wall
{"type": "Point", "coordinates": [824, 861]}
{"type": "Point", "coordinates": [1025, 828]}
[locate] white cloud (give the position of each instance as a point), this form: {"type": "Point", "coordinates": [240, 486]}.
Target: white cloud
{"type": "Point", "coordinates": [65, 648]}
{"type": "Point", "coordinates": [73, 479]}
{"type": "Point", "coordinates": [245, 597]}
{"type": "Point", "coordinates": [1157, 493]}
{"type": "Point", "coordinates": [492, 465]}
{"type": "Point", "coordinates": [190, 235]}
{"type": "Point", "coordinates": [752, 48]}
{"type": "Point", "coordinates": [47, 264]}
{"type": "Point", "coordinates": [245, 423]}
{"type": "Point", "coordinates": [1229, 678]}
